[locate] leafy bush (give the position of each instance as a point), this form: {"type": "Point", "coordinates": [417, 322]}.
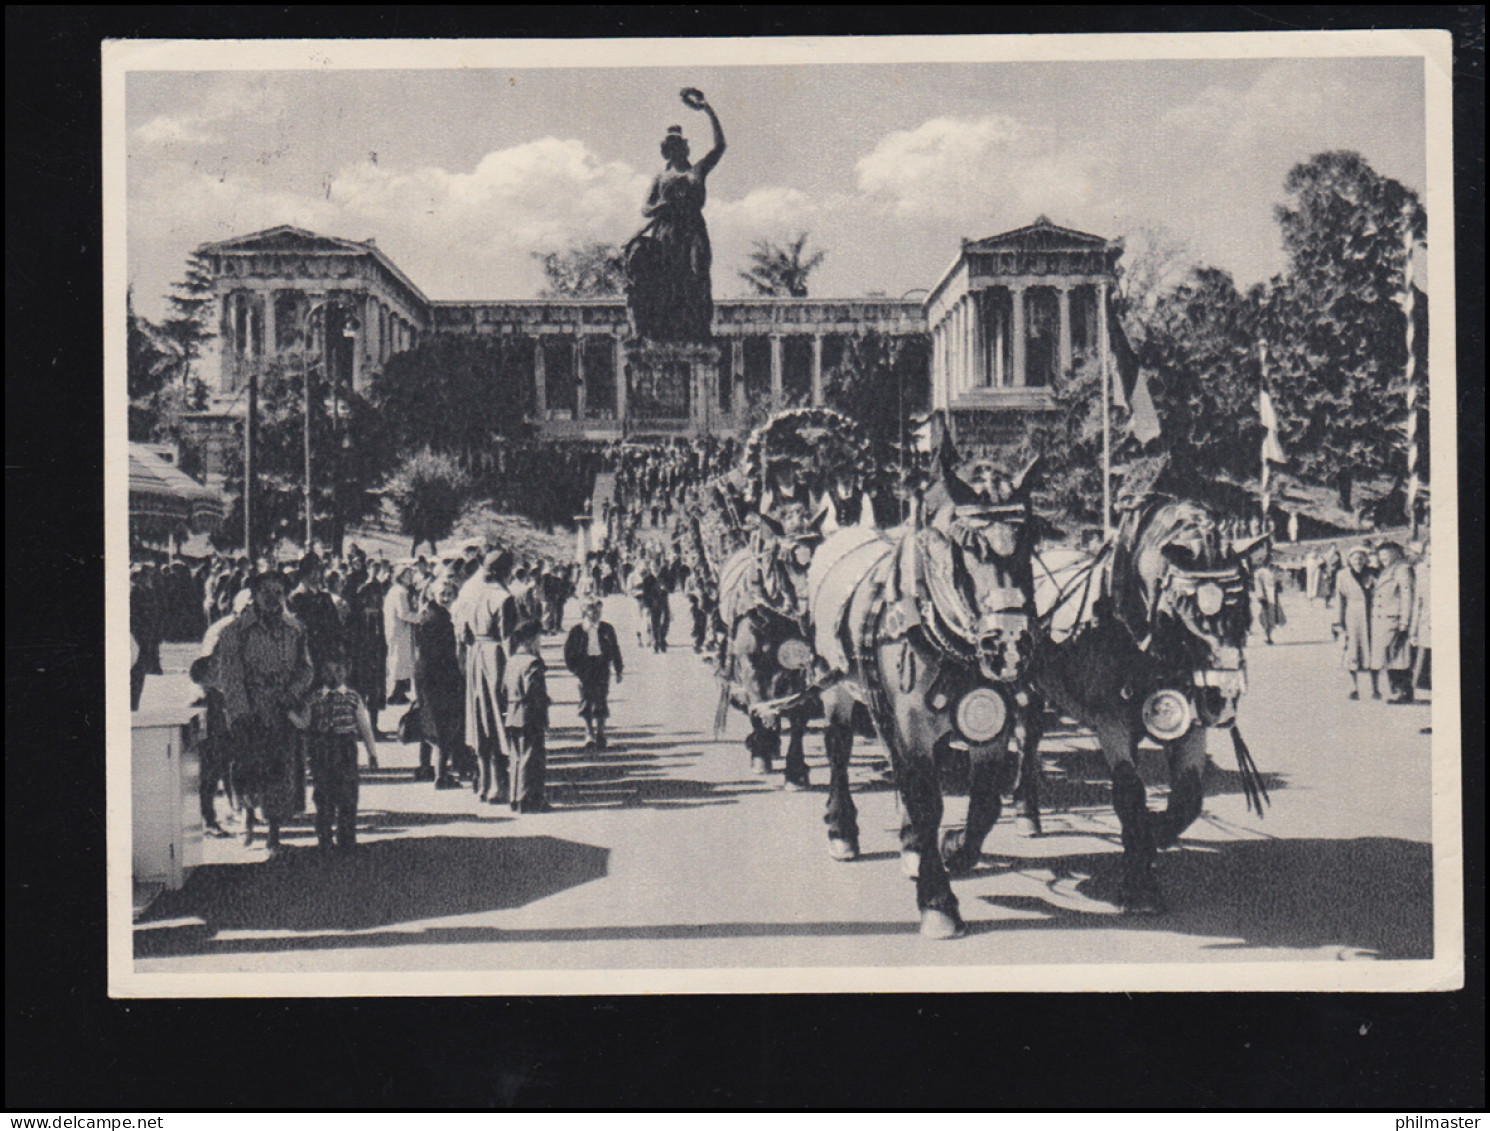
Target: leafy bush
{"type": "Point", "coordinates": [429, 491]}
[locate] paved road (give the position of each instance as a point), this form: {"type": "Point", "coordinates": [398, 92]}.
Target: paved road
{"type": "Point", "coordinates": [666, 852]}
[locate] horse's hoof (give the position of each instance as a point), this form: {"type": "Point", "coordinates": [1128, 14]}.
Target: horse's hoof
{"type": "Point", "coordinates": [1028, 826]}
{"type": "Point", "coordinates": [910, 864]}
{"type": "Point", "coordinates": [760, 767]}
{"type": "Point", "coordinates": [942, 925]}
{"type": "Point", "coordinates": [795, 784]}
{"type": "Point", "coordinates": [842, 849]}
{"type": "Point", "coordinates": [954, 858]}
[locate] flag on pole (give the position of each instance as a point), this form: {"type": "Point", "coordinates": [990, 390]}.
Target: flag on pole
{"type": "Point", "coordinates": [1144, 420]}
{"type": "Point", "coordinates": [1272, 450]}
{"type": "Point", "coordinates": [1124, 360]}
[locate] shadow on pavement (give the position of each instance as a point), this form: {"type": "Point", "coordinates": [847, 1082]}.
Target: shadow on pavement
{"type": "Point", "coordinates": [1078, 779]}
{"type": "Point", "coordinates": [380, 884]}
{"type": "Point", "coordinates": [664, 932]}
{"type": "Point", "coordinates": [1372, 894]}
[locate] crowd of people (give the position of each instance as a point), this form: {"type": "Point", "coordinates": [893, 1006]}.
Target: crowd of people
{"type": "Point", "coordinates": [297, 664]}
{"type": "Point", "coordinates": [653, 482]}
{"type": "Point", "coordinates": [1382, 599]}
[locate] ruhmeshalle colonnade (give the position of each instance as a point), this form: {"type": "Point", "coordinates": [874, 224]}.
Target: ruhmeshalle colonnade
{"type": "Point", "coordinates": [1011, 318]}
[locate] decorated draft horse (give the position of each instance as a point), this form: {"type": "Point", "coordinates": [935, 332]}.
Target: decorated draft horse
{"type": "Point", "coordinates": [930, 628]}
{"type": "Point", "coordinates": [1146, 637]}
{"type": "Point", "coordinates": [778, 500]}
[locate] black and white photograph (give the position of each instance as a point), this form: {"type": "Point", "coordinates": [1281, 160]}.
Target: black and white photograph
{"type": "Point", "coordinates": [781, 515]}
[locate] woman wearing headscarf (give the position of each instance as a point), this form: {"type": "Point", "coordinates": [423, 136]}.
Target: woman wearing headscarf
{"type": "Point", "coordinates": [261, 665]}
{"type": "Point", "coordinates": [437, 675]}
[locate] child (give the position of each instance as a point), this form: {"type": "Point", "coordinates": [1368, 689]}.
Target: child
{"type": "Point", "coordinates": [590, 653]}
{"type": "Point", "coordinates": [334, 718]}
{"type": "Point", "coordinates": [527, 718]}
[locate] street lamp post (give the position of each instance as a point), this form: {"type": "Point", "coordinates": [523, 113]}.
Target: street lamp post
{"type": "Point", "coordinates": [349, 328]}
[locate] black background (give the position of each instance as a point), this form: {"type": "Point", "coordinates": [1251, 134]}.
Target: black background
{"type": "Point", "coordinates": [69, 1048]}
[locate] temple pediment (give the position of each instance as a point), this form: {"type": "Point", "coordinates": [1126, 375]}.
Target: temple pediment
{"type": "Point", "coordinates": [285, 239]}
{"type": "Point", "coordinates": [1042, 235]}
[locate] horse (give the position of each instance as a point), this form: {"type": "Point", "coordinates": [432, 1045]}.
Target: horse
{"type": "Point", "coordinates": [929, 627]}
{"type": "Point", "coordinates": [766, 658]}
{"type": "Point", "coordinates": [1146, 637]}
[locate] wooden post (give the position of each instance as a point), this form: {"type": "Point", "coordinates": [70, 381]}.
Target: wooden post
{"type": "Point", "coordinates": [1103, 351]}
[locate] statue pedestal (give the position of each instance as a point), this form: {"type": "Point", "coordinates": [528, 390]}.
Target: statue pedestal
{"type": "Point", "coordinates": [671, 387]}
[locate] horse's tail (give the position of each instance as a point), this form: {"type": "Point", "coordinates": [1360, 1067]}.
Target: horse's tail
{"type": "Point", "coordinates": [1253, 787]}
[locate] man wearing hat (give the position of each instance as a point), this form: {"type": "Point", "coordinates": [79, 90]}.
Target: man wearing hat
{"type": "Point", "coordinates": [1421, 630]}
{"type": "Point", "coordinates": [261, 665]}
{"type": "Point", "coordinates": [1391, 618]}
{"type": "Point", "coordinates": [526, 688]}
{"type": "Point", "coordinates": [473, 577]}
{"type": "Point", "coordinates": [486, 627]}
{"type": "Point", "coordinates": [591, 652]}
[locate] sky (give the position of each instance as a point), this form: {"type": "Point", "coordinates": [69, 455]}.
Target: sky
{"type": "Point", "coordinates": [462, 175]}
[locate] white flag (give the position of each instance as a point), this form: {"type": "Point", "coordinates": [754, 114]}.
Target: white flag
{"type": "Point", "coordinates": [1272, 450]}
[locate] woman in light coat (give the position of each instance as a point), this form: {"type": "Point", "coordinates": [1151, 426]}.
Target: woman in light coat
{"type": "Point", "coordinates": [1353, 620]}
{"type": "Point", "coordinates": [400, 614]}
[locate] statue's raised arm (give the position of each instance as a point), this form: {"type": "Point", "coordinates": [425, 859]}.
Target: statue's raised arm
{"type": "Point", "coordinates": [694, 99]}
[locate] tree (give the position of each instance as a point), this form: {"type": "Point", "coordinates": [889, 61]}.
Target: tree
{"type": "Point", "coordinates": [781, 271]}
{"type": "Point", "coordinates": [591, 270]}
{"type": "Point", "coordinates": [1333, 325]}
{"type": "Point", "coordinates": [428, 489]}
{"type": "Point", "coordinates": [1154, 261]}
{"type": "Point", "coordinates": [882, 381]}
{"type": "Point", "coordinates": [191, 308]}
{"type": "Point", "coordinates": [1199, 348]}
{"type": "Point", "coordinates": [454, 393]}
{"type": "Point", "coordinates": [350, 457]}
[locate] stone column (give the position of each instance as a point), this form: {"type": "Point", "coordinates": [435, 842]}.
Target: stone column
{"type": "Point", "coordinates": [619, 343]}
{"type": "Point", "coordinates": [998, 374]}
{"type": "Point", "coordinates": [938, 366]}
{"type": "Point", "coordinates": [1016, 296]}
{"type": "Point", "coordinates": [776, 378]}
{"type": "Point", "coordinates": [962, 350]}
{"type": "Point", "coordinates": [737, 378]}
{"type": "Point", "coordinates": [271, 328]}
{"type": "Point", "coordinates": [540, 379]}
{"type": "Point", "coordinates": [359, 337]}
{"type": "Point", "coordinates": [1063, 363]}
{"type": "Point", "coordinates": [817, 369]}
{"type": "Point", "coordinates": [579, 375]}
{"type": "Point", "coordinates": [981, 376]}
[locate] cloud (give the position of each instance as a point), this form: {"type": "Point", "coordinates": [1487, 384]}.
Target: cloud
{"type": "Point", "coordinates": [457, 234]}
{"type": "Point", "coordinates": [993, 170]}
{"type": "Point", "coordinates": [765, 213]}
{"type": "Point", "coordinates": [1233, 123]}
{"type": "Point", "coordinates": [537, 196]}
{"type": "Point", "coordinates": [167, 129]}
{"type": "Point", "coordinates": [242, 99]}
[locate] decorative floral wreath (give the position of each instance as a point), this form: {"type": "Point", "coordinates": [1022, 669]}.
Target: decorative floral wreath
{"type": "Point", "coordinates": [817, 443]}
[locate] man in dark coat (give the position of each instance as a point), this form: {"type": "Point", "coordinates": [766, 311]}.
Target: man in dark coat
{"type": "Point", "coordinates": [369, 651]}
{"type": "Point", "coordinates": [313, 607]}
{"type": "Point", "coordinates": [591, 652]}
